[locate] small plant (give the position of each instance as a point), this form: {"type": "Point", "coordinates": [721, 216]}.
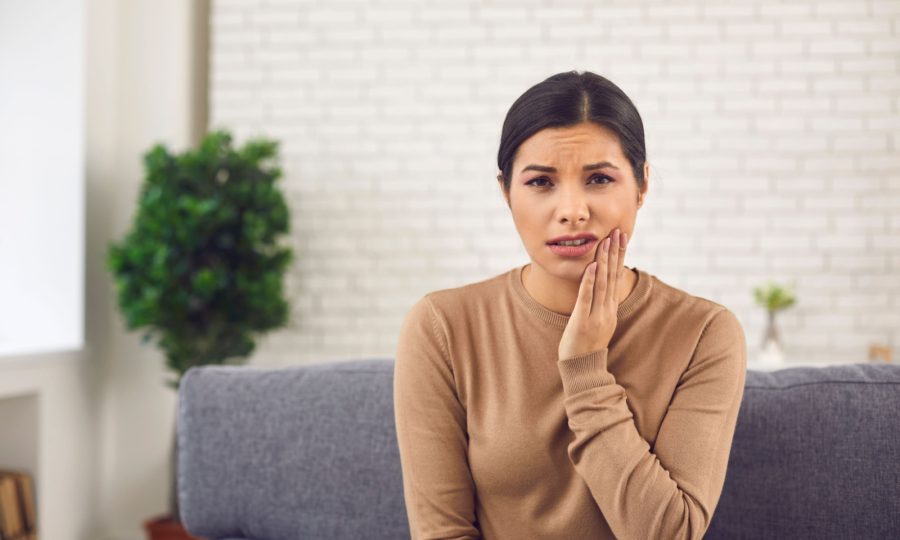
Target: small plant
{"type": "Point", "coordinates": [774, 297]}
{"type": "Point", "coordinates": [200, 270]}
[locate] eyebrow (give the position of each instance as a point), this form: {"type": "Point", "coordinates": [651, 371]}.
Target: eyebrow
{"type": "Point", "coordinates": [590, 167]}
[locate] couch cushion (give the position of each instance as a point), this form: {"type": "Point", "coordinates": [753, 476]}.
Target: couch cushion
{"type": "Point", "coordinates": [816, 454]}
{"type": "Point", "coordinates": [300, 452]}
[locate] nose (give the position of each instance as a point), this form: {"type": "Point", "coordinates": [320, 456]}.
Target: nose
{"type": "Point", "coordinates": [572, 206]}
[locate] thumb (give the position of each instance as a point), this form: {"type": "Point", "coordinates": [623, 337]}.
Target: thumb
{"type": "Point", "coordinates": [586, 291]}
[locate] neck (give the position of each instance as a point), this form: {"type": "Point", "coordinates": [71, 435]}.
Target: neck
{"type": "Point", "coordinates": [559, 295]}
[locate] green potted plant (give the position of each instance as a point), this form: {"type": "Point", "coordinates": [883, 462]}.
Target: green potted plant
{"type": "Point", "coordinates": [200, 270]}
{"type": "Point", "coordinates": [773, 298]}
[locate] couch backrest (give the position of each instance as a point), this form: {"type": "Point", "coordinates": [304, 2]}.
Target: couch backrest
{"type": "Point", "coordinates": [299, 452]}
{"type": "Point", "coordinates": [310, 452]}
{"type": "Point", "coordinates": [816, 454]}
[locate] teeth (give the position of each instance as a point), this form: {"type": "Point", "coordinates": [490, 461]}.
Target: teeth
{"type": "Point", "coordinates": [573, 242]}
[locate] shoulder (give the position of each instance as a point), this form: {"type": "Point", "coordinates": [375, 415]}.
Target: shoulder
{"type": "Point", "coordinates": [678, 302]}
{"type": "Point", "coordinates": [466, 300]}
{"type": "Point", "coordinates": [717, 336]}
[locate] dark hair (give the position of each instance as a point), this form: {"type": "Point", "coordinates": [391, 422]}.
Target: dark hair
{"type": "Point", "coordinates": [570, 98]}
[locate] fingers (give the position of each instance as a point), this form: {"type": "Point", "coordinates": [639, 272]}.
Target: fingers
{"type": "Point", "coordinates": [612, 269]}
{"type": "Point", "coordinates": [586, 290]}
{"type": "Point", "coordinates": [602, 276]}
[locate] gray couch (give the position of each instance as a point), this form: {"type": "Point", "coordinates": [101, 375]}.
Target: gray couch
{"type": "Point", "coordinates": [310, 452]}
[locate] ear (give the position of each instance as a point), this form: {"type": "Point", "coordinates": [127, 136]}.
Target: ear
{"type": "Point", "coordinates": [503, 189]}
{"type": "Point", "coordinates": [643, 194]}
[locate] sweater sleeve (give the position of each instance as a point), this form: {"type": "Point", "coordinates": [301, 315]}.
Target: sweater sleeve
{"type": "Point", "coordinates": [431, 432]}
{"type": "Point", "coordinates": [671, 490]}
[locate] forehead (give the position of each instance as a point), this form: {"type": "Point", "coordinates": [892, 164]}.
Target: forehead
{"type": "Point", "coordinates": [587, 140]}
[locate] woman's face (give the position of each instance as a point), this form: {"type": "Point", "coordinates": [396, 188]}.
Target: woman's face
{"type": "Point", "coordinates": [567, 181]}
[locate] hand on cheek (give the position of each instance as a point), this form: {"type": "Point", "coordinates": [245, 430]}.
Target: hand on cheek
{"type": "Point", "coordinates": [593, 320]}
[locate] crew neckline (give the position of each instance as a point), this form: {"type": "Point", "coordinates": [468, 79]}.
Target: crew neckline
{"type": "Point", "coordinates": [637, 296]}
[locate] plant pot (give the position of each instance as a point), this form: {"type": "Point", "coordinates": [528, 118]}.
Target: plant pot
{"type": "Point", "coordinates": [772, 351]}
{"type": "Point", "coordinates": [166, 528]}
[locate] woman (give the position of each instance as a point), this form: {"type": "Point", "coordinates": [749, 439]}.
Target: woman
{"type": "Point", "coordinates": [572, 397]}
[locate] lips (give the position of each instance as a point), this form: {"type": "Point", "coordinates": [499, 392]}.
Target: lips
{"type": "Point", "coordinates": [579, 236]}
{"type": "Point", "coordinates": [573, 251]}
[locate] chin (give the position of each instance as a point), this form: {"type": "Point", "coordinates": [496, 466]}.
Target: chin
{"type": "Point", "coordinates": [568, 269]}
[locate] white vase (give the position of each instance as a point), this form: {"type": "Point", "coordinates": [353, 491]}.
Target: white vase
{"type": "Point", "coordinates": [771, 352]}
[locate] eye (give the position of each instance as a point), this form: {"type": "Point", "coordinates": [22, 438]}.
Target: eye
{"type": "Point", "coordinates": [533, 181]}
{"type": "Point", "coordinates": [603, 176]}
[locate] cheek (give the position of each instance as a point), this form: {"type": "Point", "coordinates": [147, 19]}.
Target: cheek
{"type": "Point", "coordinates": [529, 226]}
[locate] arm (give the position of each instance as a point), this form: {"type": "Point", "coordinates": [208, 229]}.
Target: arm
{"type": "Point", "coordinates": [671, 491]}
{"type": "Point", "coordinates": [431, 432]}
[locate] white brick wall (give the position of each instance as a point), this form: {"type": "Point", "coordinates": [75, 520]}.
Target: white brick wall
{"type": "Point", "coordinates": [773, 134]}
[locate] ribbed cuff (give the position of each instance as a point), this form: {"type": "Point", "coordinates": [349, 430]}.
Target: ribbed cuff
{"type": "Point", "coordinates": [585, 371]}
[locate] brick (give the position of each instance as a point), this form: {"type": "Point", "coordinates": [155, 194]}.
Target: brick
{"type": "Point", "coordinates": [835, 45]}
{"type": "Point", "coordinates": [863, 222]}
{"type": "Point", "coordinates": [779, 48]}
{"type": "Point", "coordinates": [723, 49]}
{"type": "Point", "coordinates": [829, 165]}
{"type": "Point", "coordinates": [739, 222]}
{"type": "Point", "coordinates": [842, 241]}
{"type": "Point", "coordinates": [884, 83]}
{"type": "Point", "coordinates": [749, 29]}
{"type": "Point", "coordinates": [559, 14]}
{"type": "Point", "coordinates": [460, 33]}
{"type": "Point", "coordinates": [502, 14]}
{"type": "Point", "coordinates": [659, 49]}
{"type": "Point", "coordinates": [841, 123]}
{"type": "Point", "coordinates": [672, 11]}
{"type": "Point", "coordinates": [617, 12]}
{"type": "Point", "coordinates": [871, 142]}
{"type": "Point", "coordinates": [868, 65]}
{"type": "Point", "coordinates": [805, 27]}
{"type": "Point", "coordinates": [785, 84]}
{"type": "Point", "coordinates": [864, 26]}
{"type": "Point", "coordinates": [805, 143]}
{"type": "Point", "coordinates": [840, 8]}
{"type": "Point", "coordinates": [784, 9]}
{"type": "Point", "coordinates": [768, 203]}
{"type": "Point", "coordinates": [383, 14]}
{"type": "Point", "coordinates": [811, 66]}
{"type": "Point", "coordinates": [842, 83]}
{"type": "Point", "coordinates": [724, 11]}
{"type": "Point", "coordinates": [886, 202]}
{"type": "Point", "coordinates": [797, 262]}
{"type": "Point", "coordinates": [800, 222]}
{"type": "Point", "coordinates": [734, 262]}
{"type": "Point", "coordinates": [774, 123]}
{"type": "Point", "coordinates": [745, 104]}
{"type": "Point", "coordinates": [885, 45]}
{"type": "Point", "coordinates": [679, 30]}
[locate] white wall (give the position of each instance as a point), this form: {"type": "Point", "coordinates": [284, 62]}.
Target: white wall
{"type": "Point", "coordinates": [772, 133]}
{"type": "Point", "coordinates": [41, 177]}
{"type": "Point", "coordinates": [101, 418]}
{"type": "Point", "coordinates": [141, 91]}
{"type": "Point", "coordinates": [47, 410]}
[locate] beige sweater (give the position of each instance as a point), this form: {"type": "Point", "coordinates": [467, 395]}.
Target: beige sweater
{"type": "Point", "coordinates": [499, 439]}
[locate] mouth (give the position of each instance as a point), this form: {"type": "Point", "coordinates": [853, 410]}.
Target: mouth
{"type": "Point", "coordinates": [585, 246]}
{"type": "Point", "coordinates": [572, 240]}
